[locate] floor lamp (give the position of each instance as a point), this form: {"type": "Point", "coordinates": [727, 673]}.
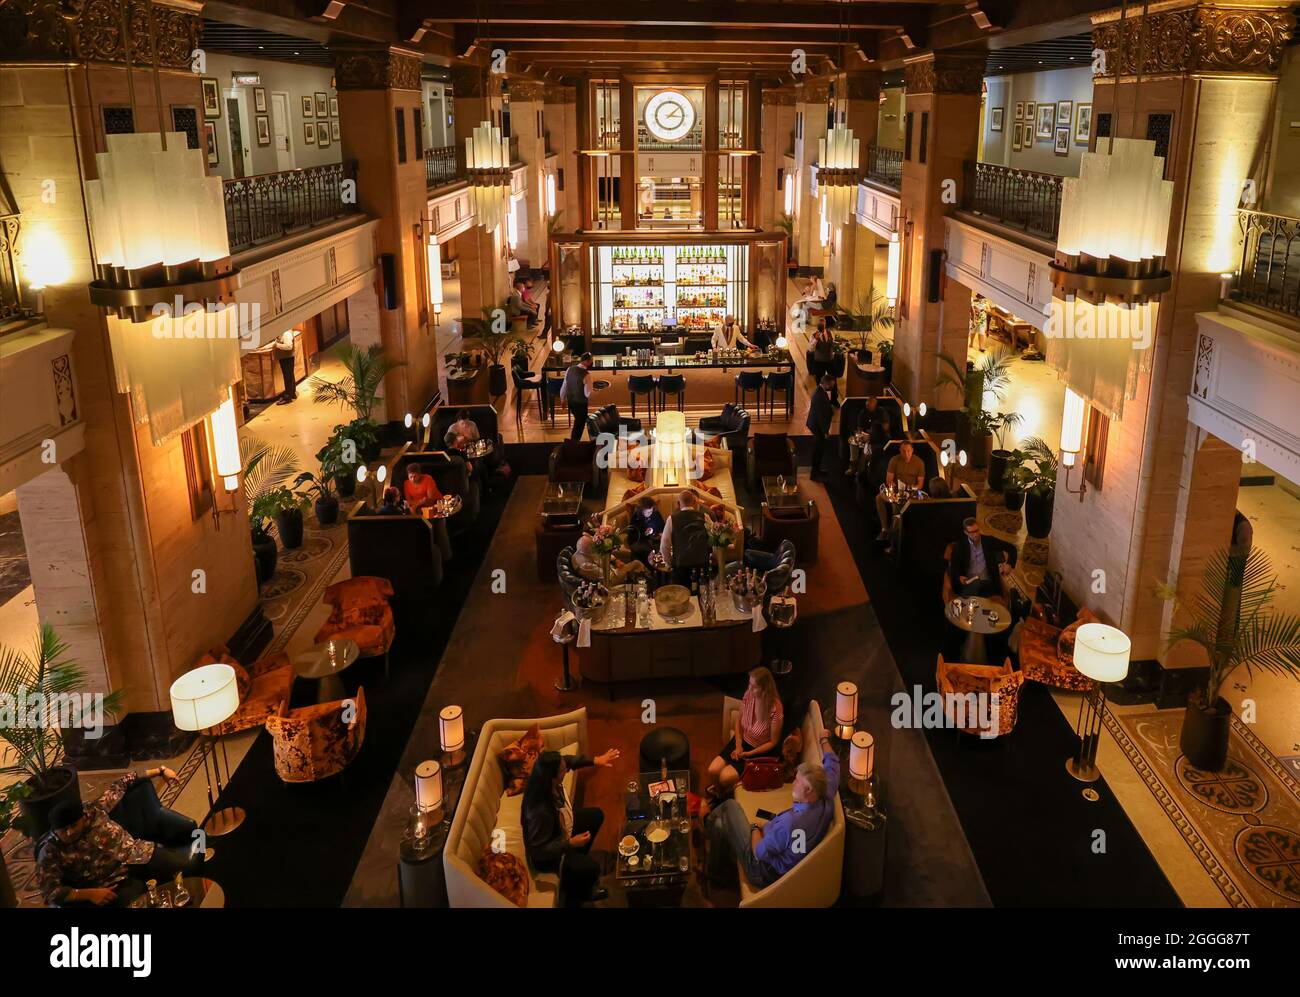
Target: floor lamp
{"type": "Point", "coordinates": [203, 699]}
{"type": "Point", "coordinates": [1101, 653]}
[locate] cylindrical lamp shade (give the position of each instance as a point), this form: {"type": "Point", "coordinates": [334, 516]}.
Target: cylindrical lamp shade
{"type": "Point", "coordinates": [451, 728]}
{"type": "Point", "coordinates": [225, 443]}
{"type": "Point", "coordinates": [862, 755]}
{"type": "Point", "coordinates": [1101, 652]}
{"type": "Point", "coordinates": [428, 786]}
{"type": "Point", "coordinates": [204, 697]}
{"type": "Point", "coordinates": [1072, 417]}
{"type": "Point", "coordinates": [846, 704]}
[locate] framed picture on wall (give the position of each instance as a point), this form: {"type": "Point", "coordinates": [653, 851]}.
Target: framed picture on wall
{"type": "Point", "coordinates": [309, 132]}
{"type": "Point", "coordinates": [1029, 111]}
{"type": "Point", "coordinates": [1062, 144]}
{"type": "Point", "coordinates": [334, 131]}
{"type": "Point", "coordinates": [1015, 135]}
{"type": "Point", "coordinates": [995, 119]}
{"type": "Point", "coordinates": [1020, 110]}
{"type": "Point", "coordinates": [259, 99]}
{"type": "Point", "coordinates": [322, 133]}
{"type": "Point", "coordinates": [1064, 112]}
{"type": "Point", "coordinates": [263, 129]}
{"type": "Point", "coordinates": [308, 108]}
{"type": "Point", "coordinates": [1046, 121]}
{"type": "Point", "coordinates": [322, 104]}
{"type": "Point", "coordinates": [334, 107]}
{"type": "Point", "coordinates": [211, 97]}
{"type": "Point", "coordinates": [210, 143]}
{"type": "Point", "coordinates": [1083, 124]}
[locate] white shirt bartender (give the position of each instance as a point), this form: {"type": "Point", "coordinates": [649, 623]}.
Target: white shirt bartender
{"type": "Point", "coordinates": [728, 337]}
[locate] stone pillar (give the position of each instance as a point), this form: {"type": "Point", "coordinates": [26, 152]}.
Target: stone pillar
{"type": "Point", "coordinates": [776, 141]}
{"type": "Point", "coordinates": [560, 117]}
{"type": "Point", "coordinates": [811, 104]}
{"type": "Point", "coordinates": [858, 107]}
{"type": "Point", "coordinates": [526, 102]}
{"type": "Point", "coordinates": [1167, 495]}
{"type": "Point", "coordinates": [943, 100]}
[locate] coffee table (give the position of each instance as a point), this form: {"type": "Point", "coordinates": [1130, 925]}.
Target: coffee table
{"type": "Point", "coordinates": [562, 498]}
{"type": "Point", "coordinates": [203, 892]}
{"type": "Point", "coordinates": [977, 624]}
{"type": "Point", "coordinates": [326, 667]}
{"type": "Point", "coordinates": [657, 873]}
{"type": "Point", "coordinates": [781, 492]}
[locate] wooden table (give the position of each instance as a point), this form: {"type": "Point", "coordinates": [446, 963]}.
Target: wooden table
{"type": "Point", "coordinates": [978, 625]}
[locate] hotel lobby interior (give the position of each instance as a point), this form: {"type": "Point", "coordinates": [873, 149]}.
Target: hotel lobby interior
{"type": "Point", "coordinates": [692, 454]}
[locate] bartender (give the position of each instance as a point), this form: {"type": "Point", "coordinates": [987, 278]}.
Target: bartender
{"type": "Point", "coordinates": [729, 336]}
{"type": "Point", "coordinates": [283, 349]}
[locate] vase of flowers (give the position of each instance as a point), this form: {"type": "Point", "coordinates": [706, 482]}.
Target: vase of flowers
{"type": "Point", "coordinates": [721, 536]}
{"type": "Point", "coordinates": [747, 589]}
{"type": "Point", "coordinates": [605, 540]}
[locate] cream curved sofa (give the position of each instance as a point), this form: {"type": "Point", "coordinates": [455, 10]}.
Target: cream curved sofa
{"type": "Point", "coordinates": [815, 881]}
{"type": "Point", "coordinates": [484, 807]}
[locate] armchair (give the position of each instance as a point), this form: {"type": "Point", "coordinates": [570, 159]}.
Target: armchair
{"type": "Point", "coordinates": [731, 427]}
{"type": "Point", "coordinates": [1047, 652]}
{"type": "Point", "coordinates": [798, 525]}
{"type": "Point", "coordinates": [360, 612]}
{"type": "Point", "coordinates": [957, 683]}
{"type": "Point", "coordinates": [607, 420]}
{"type": "Point", "coordinates": [574, 460]}
{"type": "Point", "coordinates": [316, 742]}
{"type": "Point", "coordinates": [769, 454]}
{"type": "Point", "coordinates": [263, 686]}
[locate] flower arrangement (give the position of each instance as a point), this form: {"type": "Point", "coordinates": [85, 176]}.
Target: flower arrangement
{"type": "Point", "coordinates": [605, 540]}
{"type": "Point", "coordinates": [721, 533]}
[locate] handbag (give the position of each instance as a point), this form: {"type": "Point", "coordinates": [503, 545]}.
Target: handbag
{"type": "Point", "coordinates": [761, 774]}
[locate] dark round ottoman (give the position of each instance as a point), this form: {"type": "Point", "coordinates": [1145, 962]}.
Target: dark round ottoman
{"type": "Point", "coordinates": [665, 744]}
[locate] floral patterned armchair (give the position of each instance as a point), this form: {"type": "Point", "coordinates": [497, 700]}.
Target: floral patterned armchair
{"type": "Point", "coordinates": [263, 686]}
{"type": "Point", "coordinates": [1047, 652]}
{"type": "Point", "coordinates": [1000, 682]}
{"type": "Point", "coordinates": [316, 742]}
{"type": "Point", "coordinates": [360, 612]}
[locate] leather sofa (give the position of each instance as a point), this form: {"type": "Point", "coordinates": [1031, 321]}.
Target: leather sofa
{"type": "Point", "coordinates": [798, 524]}
{"type": "Point", "coordinates": [316, 742]}
{"type": "Point", "coordinates": [403, 549]}
{"type": "Point", "coordinates": [769, 454]}
{"type": "Point", "coordinates": [623, 474]}
{"type": "Point", "coordinates": [815, 881]}
{"type": "Point", "coordinates": [607, 420]}
{"type": "Point", "coordinates": [925, 529]}
{"type": "Point", "coordinates": [999, 682]}
{"type": "Point", "coordinates": [574, 460]}
{"type": "Point", "coordinates": [730, 427]}
{"type": "Point", "coordinates": [483, 808]}
{"type": "Point", "coordinates": [452, 476]}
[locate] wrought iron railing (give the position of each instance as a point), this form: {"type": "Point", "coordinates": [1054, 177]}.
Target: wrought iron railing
{"type": "Point", "coordinates": [272, 205]}
{"type": "Point", "coordinates": [1269, 275]}
{"type": "Point", "coordinates": [440, 166]}
{"type": "Point", "coordinates": [885, 166]}
{"type": "Point", "coordinates": [1019, 198]}
{"type": "Point", "coordinates": [11, 287]}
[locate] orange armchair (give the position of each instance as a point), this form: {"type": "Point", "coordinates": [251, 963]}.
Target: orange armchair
{"type": "Point", "coordinates": [263, 686]}
{"type": "Point", "coordinates": [316, 742]}
{"type": "Point", "coordinates": [999, 682]}
{"type": "Point", "coordinates": [1047, 652]}
{"type": "Point", "coordinates": [360, 612]}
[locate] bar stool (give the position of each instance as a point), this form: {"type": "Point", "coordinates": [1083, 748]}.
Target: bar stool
{"type": "Point", "coordinates": [747, 381]}
{"type": "Point", "coordinates": [780, 381]}
{"type": "Point", "coordinates": [523, 385]}
{"type": "Point", "coordinates": [553, 387]}
{"type": "Point", "coordinates": [671, 384]}
{"type": "Point", "coordinates": [642, 384]}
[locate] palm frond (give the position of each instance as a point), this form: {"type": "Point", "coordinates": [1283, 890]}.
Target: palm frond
{"type": "Point", "coordinates": [1272, 643]}
{"type": "Point", "coordinates": [266, 466]}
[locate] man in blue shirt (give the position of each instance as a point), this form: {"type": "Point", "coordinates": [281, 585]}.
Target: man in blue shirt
{"type": "Point", "coordinates": [767, 852]}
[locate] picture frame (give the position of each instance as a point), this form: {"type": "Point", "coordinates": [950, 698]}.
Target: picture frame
{"type": "Point", "coordinates": [334, 107]}
{"type": "Point", "coordinates": [1065, 112]}
{"type": "Point", "coordinates": [995, 119]}
{"type": "Point", "coordinates": [263, 125]}
{"type": "Point", "coordinates": [259, 99]}
{"type": "Point", "coordinates": [1061, 146]}
{"type": "Point", "coordinates": [334, 131]}
{"type": "Point", "coordinates": [308, 108]}
{"type": "Point", "coordinates": [210, 143]}
{"type": "Point", "coordinates": [1046, 121]}
{"type": "Point", "coordinates": [211, 97]}
{"type": "Point", "coordinates": [1015, 135]}
{"type": "Point", "coordinates": [1020, 110]}
{"type": "Point", "coordinates": [309, 132]}
{"type": "Point", "coordinates": [322, 134]}
{"type": "Point", "coordinates": [1029, 111]}
{"type": "Point", "coordinates": [322, 104]}
{"type": "Point", "coordinates": [1083, 124]}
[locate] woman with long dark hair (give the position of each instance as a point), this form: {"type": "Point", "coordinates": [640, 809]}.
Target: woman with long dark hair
{"type": "Point", "coordinates": [558, 835]}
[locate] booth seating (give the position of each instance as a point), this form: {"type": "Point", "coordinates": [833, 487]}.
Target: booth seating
{"type": "Point", "coordinates": [927, 527]}
{"type": "Point", "coordinates": [922, 447]}
{"type": "Point", "coordinates": [623, 477]}
{"type": "Point", "coordinates": [798, 524]}
{"type": "Point", "coordinates": [483, 416]}
{"type": "Point", "coordinates": [552, 537]}
{"type": "Point", "coordinates": [1047, 652]}
{"type": "Point", "coordinates": [360, 612]}
{"type": "Point", "coordinates": [1000, 683]}
{"type": "Point", "coordinates": [574, 460]}
{"type": "Point", "coordinates": [483, 809]}
{"type": "Point", "coordinates": [619, 514]}
{"type": "Point", "coordinates": [730, 427]}
{"type": "Point", "coordinates": [263, 686]}
{"type": "Point", "coordinates": [607, 420]}
{"type": "Point", "coordinates": [452, 476]}
{"type": "Point", "coordinates": [815, 881]}
{"type": "Point", "coordinates": [1005, 582]}
{"type": "Point", "coordinates": [405, 550]}
{"type": "Point", "coordinates": [769, 454]}
{"type": "Point", "coordinates": [851, 411]}
{"type": "Point", "coordinates": [316, 742]}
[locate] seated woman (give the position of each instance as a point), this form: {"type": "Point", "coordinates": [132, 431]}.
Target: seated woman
{"type": "Point", "coordinates": [392, 504]}
{"type": "Point", "coordinates": [555, 830]}
{"type": "Point", "coordinates": [757, 734]}
{"type": "Point", "coordinates": [587, 563]}
{"type": "Point", "coordinates": [420, 489]}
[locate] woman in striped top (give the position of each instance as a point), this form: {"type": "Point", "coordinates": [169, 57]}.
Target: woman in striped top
{"type": "Point", "coordinates": [758, 733]}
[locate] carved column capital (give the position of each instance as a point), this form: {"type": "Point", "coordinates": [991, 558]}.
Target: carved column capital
{"type": "Point", "coordinates": [97, 31]}
{"type": "Point", "coordinates": [783, 97]}
{"type": "Point", "coordinates": [1198, 38]}
{"type": "Point", "coordinates": [525, 90]}
{"type": "Point", "coordinates": [948, 73]}
{"type": "Point", "coordinates": [376, 69]}
{"type": "Point", "coordinates": [816, 91]}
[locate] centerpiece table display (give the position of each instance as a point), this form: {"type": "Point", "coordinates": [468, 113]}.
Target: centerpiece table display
{"type": "Point", "coordinates": [605, 540]}
{"type": "Point", "coordinates": [979, 617]}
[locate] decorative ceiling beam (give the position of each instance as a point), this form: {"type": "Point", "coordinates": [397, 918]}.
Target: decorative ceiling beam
{"type": "Point", "coordinates": [707, 14]}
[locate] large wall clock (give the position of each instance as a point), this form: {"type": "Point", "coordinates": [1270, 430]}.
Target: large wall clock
{"type": "Point", "coordinates": [669, 116]}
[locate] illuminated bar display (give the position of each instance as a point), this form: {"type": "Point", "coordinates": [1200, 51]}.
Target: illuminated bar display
{"type": "Point", "coordinates": [646, 288]}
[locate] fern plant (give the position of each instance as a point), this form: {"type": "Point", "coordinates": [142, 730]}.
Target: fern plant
{"type": "Point", "coordinates": [1039, 466]}
{"type": "Point", "coordinates": [359, 390]}
{"type": "Point", "coordinates": [266, 468]}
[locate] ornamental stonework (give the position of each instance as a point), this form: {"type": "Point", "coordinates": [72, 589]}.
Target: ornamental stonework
{"type": "Point", "coordinates": [813, 91]}
{"type": "Point", "coordinates": [377, 69]}
{"type": "Point", "coordinates": [944, 74]}
{"type": "Point", "coordinates": [778, 98]}
{"type": "Point", "coordinates": [97, 31]}
{"type": "Point", "coordinates": [862, 86]}
{"type": "Point", "coordinates": [527, 90]}
{"type": "Point", "coordinates": [1195, 39]}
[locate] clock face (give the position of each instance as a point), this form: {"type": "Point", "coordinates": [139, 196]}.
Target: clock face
{"type": "Point", "coordinates": [669, 116]}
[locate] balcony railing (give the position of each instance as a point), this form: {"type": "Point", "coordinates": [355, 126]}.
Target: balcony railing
{"type": "Point", "coordinates": [440, 166]}
{"type": "Point", "coordinates": [1270, 262]}
{"type": "Point", "coordinates": [885, 166]}
{"type": "Point", "coordinates": [1019, 198]}
{"type": "Point", "coordinates": [272, 205]}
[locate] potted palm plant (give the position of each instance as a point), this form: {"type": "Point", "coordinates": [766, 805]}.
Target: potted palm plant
{"type": "Point", "coordinates": [359, 390]}
{"type": "Point", "coordinates": [286, 508]}
{"type": "Point", "coordinates": [266, 467]}
{"type": "Point", "coordinates": [1002, 424]}
{"type": "Point", "coordinates": [1234, 621]}
{"type": "Point", "coordinates": [872, 313]}
{"type": "Point", "coordinates": [975, 383]}
{"type": "Point", "coordinates": [9, 797]}
{"type": "Point", "coordinates": [1040, 486]}
{"type": "Point", "coordinates": [1014, 479]}
{"type": "Point", "coordinates": [320, 488]}
{"type": "Point", "coordinates": [34, 751]}
{"type": "Point", "coordinates": [491, 336]}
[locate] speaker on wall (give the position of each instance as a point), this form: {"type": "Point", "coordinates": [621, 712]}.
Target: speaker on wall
{"type": "Point", "coordinates": [388, 272]}
{"type": "Point", "coordinates": [935, 282]}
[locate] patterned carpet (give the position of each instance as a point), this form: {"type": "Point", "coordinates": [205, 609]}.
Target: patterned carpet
{"type": "Point", "coordinates": [1243, 824]}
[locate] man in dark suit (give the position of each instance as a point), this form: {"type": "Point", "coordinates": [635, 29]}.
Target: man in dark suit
{"type": "Point", "coordinates": [821, 410]}
{"type": "Point", "coordinates": [979, 562]}
{"type": "Point", "coordinates": [645, 529]}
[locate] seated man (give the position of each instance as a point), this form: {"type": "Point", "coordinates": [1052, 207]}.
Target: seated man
{"type": "Point", "coordinates": [461, 433]}
{"type": "Point", "coordinates": [519, 303]}
{"type": "Point", "coordinates": [767, 852]}
{"type": "Point", "coordinates": [938, 488]}
{"type": "Point", "coordinates": [645, 529]}
{"type": "Point", "coordinates": [905, 469]}
{"type": "Point", "coordinates": [972, 567]}
{"type": "Point", "coordinates": [420, 489]}
{"type": "Point", "coordinates": [587, 563]}
{"type": "Point", "coordinates": [103, 853]}
{"type": "Point", "coordinates": [392, 504]}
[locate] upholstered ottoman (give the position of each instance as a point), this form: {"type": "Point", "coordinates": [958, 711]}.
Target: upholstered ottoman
{"type": "Point", "coordinates": [665, 744]}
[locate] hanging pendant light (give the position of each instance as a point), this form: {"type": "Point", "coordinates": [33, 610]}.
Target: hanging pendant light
{"type": "Point", "coordinates": [837, 174]}
{"type": "Point", "coordinates": [487, 159]}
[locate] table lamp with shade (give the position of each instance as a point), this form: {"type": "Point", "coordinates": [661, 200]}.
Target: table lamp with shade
{"type": "Point", "coordinates": [427, 813]}
{"type": "Point", "coordinates": [846, 710]}
{"type": "Point", "coordinates": [1101, 653]}
{"type": "Point", "coordinates": [451, 734]}
{"type": "Point", "coordinates": [202, 699]}
{"type": "Point", "coordinates": [862, 763]}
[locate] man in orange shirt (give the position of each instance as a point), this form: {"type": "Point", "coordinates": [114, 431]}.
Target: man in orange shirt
{"type": "Point", "coordinates": [420, 489]}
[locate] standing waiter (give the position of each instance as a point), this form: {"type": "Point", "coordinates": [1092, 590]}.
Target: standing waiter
{"type": "Point", "coordinates": [284, 353]}
{"type": "Point", "coordinates": [576, 391]}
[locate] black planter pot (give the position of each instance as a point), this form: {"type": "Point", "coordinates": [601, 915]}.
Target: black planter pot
{"type": "Point", "coordinates": [1015, 498]}
{"type": "Point", "coordinates": [998, 469]}
{"type": "Point", "coordinates": [371, 451]}
{"type": "Point", "coordinates": [864, 356]}
{"type": "Point", "coordinates": [981, 447]}
{"type": "Point", "coordinates": [289, 525]}
{"type": "Point", "coordinates": [265, 556]}
{"type": "Point", "coordinates": [1204, 739]}
{"type": "Point", "coordinates": [1038, 514]}
{"type": "Point", "coordinates": [497, 380]}
{"type": "Point", "coordinates": [327, 510]}
{"type": "Point", "coordinates": [346, 484]}
{"type": "Point", "coordinates": [35, 809]}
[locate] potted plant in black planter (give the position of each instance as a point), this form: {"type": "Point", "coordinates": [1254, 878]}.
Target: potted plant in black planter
{"type": "Point", "coordinates": [998, 458]}
{"type": "Point", "coordinates": [1013, 481]}
{"type": "Point", "coordinates": [266, 467]}
{"type": "Point", "coordinates": [1040, 486]}
{"type": "Point", "coordinates": [320, 489]}
{"type": "Point", "coordinates": [521, 354]}
{"type": "Point", "coordinates": [359, 389]}
{"type": "Point", "coordinates": [34, 752]}
{"type": "Point", "coordinates": [1234, 620]}
{"type": "Point", "coordinates": [286, 508]}
{"type": "Point", "coordinates": [884, 351]}
{"type": "Point", "coordinates": [491, 335]}
{"type": "Point", "coordinates": [871, 314]}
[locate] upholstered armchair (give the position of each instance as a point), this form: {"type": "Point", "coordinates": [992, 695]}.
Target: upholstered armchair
{"type": "Point", "coordinates": [607, 420]}
{"type": "Point", "coordinates": [798, 524]}
{"type": "Point", "coordinates": [360, 612]}
{"type": "Point", "coordinates": [316, 742]}
{"type": "Point", "coordinates": [1047, 652]}
{"type": "Point", "coordinates": [574, 460]}
{"type": "Point", "coordinates": [568, 575]}
{"type": "Point", "coordinates": [263, 685]}
{"type": "Point", "coordinates": [1001, 683]}
{"type": "Point", "coordinates": [731, 427]}
{"type": "Point", "coordinates": [770, 454]}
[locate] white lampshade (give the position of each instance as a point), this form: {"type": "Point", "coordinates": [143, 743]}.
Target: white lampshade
{"type": "Point", "coordinates": [920, 410]}
{"type": "Point", "coordinates": [428, 785]}
{"type": "Point", "coordinates": [225, 443]}
{"type": "Point", "coordinates": [907, 410]}
{"type": "Point", "coordinates": [204, 697]}
{"type": "Point", "coordinates": [789, 193]}
{"type": "Point", "coordinates": [862, 755]}
{"type": "Point", "coordinates": [961, 457]}
{"type": "Point", "coordinates": [892, 275]}
{"type": "Point", "coordinates": [1101, 652]}
{"type": "Point", "coordinates": [409, 421]}
{"type": "Point", "coordinates": [550, 194]}
{"type": "Point", "coordinates": [451, 728]}
{"type": "Point", "coordinates": [381, 473]}
{"type": "Point", "coordinates": [557, 346]}
{"type": "Point", "coordinates": [1072, 427]}
{"type": "Point", "coordinates": [434, 252]}
{"type": "Point", "coordinates": [782, 342]}
{"type": "Point", "coordinates": [944, 459]}
{"type": "Point", "coordinates": [846, 703]}
{"type": "Point", "coordinates": [363, 472]}
{"type": "Point", "coordinates": [425, 420]}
